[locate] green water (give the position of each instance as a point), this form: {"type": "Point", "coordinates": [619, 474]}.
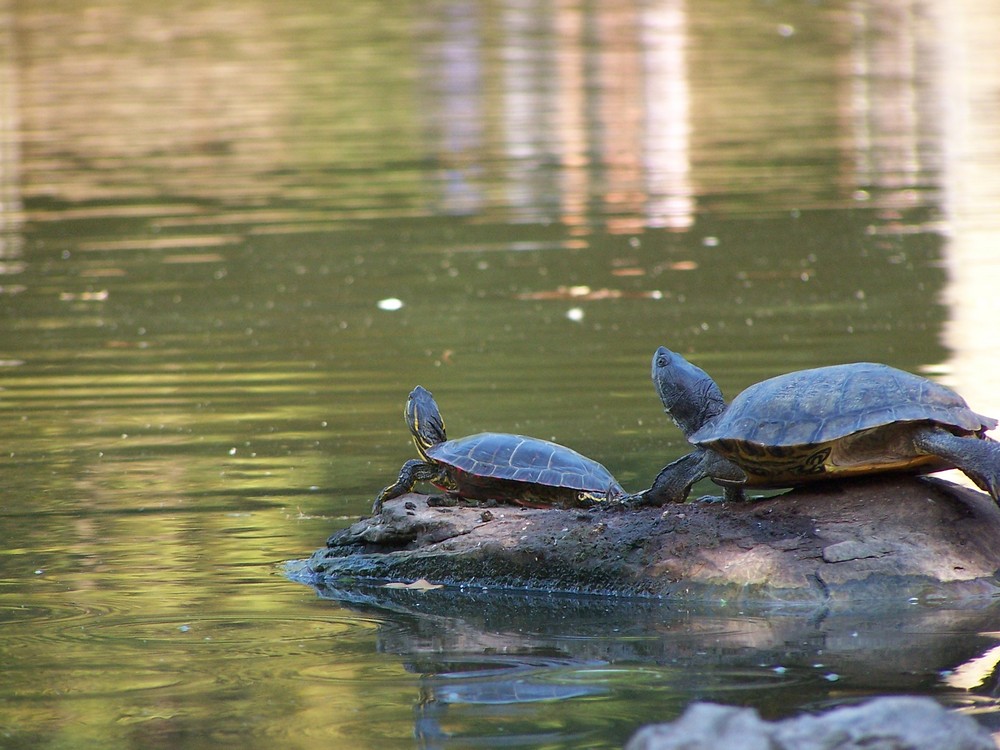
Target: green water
{"type": "Point", "coordinates": [234, 235]}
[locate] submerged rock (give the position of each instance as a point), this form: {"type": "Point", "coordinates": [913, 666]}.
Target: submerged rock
{"type": "Point", "coordinates": [880, 538]}
{"type": "Point", "coordinates": [883, 723]}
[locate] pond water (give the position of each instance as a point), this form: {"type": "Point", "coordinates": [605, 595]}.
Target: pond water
{"type": "Point", "coordinates": [234, 235]}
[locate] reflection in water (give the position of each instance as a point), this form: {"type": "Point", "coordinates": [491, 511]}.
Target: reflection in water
{"type": "Point", "coordinates": [11, 205]}
{"type": "Point", "coordinates": [201, 206]}
{"type": "Point", "coordinates": [593, 107]}
{"type": "Point", "coordinates": [893, 104]}
{"type": "Point", "coordinates": [523, 654]}
{"type": "Point", "coordinates": [455, 79]}
{"type": "Point", "coordinates": [667, 124]}
{"type": "Point", "coordinates": [908, 58]}
{"type": "Point", "coordinates": [460, 693]}
{"type": "Point", "coordinates": [528, 139]}
{"type": "Point", "coordinates": [978, 672]}
{"type": "Point", "coordinates": [971, 150]}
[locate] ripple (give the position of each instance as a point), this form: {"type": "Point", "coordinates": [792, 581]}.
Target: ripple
{"type": "Point", "coordinates": [45, 616]}
{"type": "Point", "coordinates": [244, 636]}
{"type": "Point", "coordinates": [86, 629]}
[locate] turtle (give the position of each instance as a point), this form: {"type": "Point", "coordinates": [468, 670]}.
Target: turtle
{"type": "Point", "coordinates": [817, 424]}
{"type": "Point", "coordinates": [496, 466]}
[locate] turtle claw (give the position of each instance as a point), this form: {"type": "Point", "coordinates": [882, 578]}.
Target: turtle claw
{"type": "Point", "coordinates": [710, 499]}
{"type": "Point", "coordinates": [629, 502]}
{"type": "Point", "coordinates": [379, 502]}
{"type": "Point", "coordinates": [731, 495]}
{"type": "Point", "coordinates": [617, 505]}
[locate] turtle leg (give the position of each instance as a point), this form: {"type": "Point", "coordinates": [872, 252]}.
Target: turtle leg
{"type": "Point", "coordinates": [413, 471]}
{"type": "Point", "coordinates": [673, 483]}
{"type": "Point", "coordinates": [728, 475]}
{"type": "Point", "coordinates": [733, 493]}
{"type": "Point", "coordinates": [978, 458]}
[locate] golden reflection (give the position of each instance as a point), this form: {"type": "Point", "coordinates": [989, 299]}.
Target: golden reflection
{"type": "Point", "coordinates": [151, 211]}
{"type": "Point", "coordinates": [620, 79]}
{"type": "Point", "coordinates": [977, 671]}
{"type": "Point", "coordinates": [161, 243]}
{"type": "Point", "coordinates": [168, 92]}
{"type": "Point", "coordinates": [193, 258]}
{"type": "Point", "coordinates": [11, 176]}
{"type": "Point", "coordinates": [608, 114]}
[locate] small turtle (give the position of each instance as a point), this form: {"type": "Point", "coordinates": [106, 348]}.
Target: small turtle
{"type": "Point", "coordinates": [817, 424]}
{"type": "Point", "coordinates": [496, 466]}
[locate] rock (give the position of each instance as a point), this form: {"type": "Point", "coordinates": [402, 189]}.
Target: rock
{"type": "Point", "coordinates": [854, 550]}
{"type": "Point", "coordinates": [893, 723]}
{"type": "Point", "coordinates": [878, 538]}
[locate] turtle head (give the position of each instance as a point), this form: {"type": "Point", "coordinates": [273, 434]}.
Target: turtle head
{"type": "Point", "coordinates": [690, 397]}
{"type": "Point", "coordinates": [424, 418]}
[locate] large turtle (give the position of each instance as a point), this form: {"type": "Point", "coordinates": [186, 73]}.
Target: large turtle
{"type": "Point", "coordinates": [496, 466]}
{"type": "Point", "coordinates": [817, 424]}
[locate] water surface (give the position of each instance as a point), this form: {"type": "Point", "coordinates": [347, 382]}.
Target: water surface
{"type": "Point", "coordinates": [233, 237]}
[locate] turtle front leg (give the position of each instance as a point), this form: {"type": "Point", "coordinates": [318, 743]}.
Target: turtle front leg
{"type": "Point", "coordinates": [673, 483]}
{"type": "Point", "coordinates": [413, 471]}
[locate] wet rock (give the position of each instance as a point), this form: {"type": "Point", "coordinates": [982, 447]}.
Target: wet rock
{"type": "Point", "coordinates": [881, 724]}
{"type": "Point", "coordinates": [882, 538]}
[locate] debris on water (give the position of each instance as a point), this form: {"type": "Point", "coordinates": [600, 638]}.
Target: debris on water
{"type": "Point", "coordinates": [421, 584]}
{"type": "Point", "coordinates": [583, 292]}
{"type": "Point", "coordinates": [390, 304]}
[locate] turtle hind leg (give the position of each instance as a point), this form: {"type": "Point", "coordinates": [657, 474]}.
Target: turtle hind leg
{"type": "Point", "coordinates": [977, 458]}
{"type": "Point", "coordinates": [412, 472]}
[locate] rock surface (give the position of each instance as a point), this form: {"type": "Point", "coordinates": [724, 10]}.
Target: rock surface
{"type": "Point", "coordinates": [881, 724]}
{"type": "Point", "coordinates": [881, 538]}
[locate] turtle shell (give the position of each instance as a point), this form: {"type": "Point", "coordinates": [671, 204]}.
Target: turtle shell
{"type": "Point", "coordinates": [844, 419]}
{"type": "Point", "coordinates": [498, 466]}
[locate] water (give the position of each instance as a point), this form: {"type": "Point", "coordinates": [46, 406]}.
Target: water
{"type": "Point", "coordinates": [202, 208]}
